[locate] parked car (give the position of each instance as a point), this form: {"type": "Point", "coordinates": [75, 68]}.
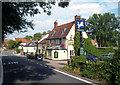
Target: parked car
{"type": "Point", "coordinates": [39, 57]}
{"type": "Point", "coordinates": [92, 58]}
{"type": "Point", "coordinates": [106, 56]}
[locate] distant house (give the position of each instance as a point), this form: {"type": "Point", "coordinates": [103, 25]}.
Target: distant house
{"type": "Point", "coordinates": [24, 42]}
{"type": "Point", "coordinates": [30, 47]}
{"type": "Point", "coordinates": [5, 43]}
{"type": "Point", "coordinates": [42, 45]}
{"type": "Point", "coordinates": [60, 41]}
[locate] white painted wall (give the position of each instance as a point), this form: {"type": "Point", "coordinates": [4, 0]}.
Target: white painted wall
{"type": "Point", "coordinates": [62, 54]}
{"type": "Point", "coordinates": [69, 46]}
{"type": "Point", "coordinates": [30, 49]}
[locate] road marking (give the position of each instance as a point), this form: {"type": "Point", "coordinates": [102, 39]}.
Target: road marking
{"type": "Point", "coordinates": [4, 55]}
{"type": "Point", "coordinates": [8, 62]}
{"type": "Point", "coordinates": [49, 67]}
{"type": "Point", "coordinates": [4, 63]}
{"type": "Point", "coordinates": [73, 76]}
{"type": "Point", "coordinates": [45, 66]}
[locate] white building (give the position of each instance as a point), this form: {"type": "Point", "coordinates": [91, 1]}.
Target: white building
{"type": "Point", "coordinates": [61, 39]}
{"type": "Point", "coordinates": [30, 47]}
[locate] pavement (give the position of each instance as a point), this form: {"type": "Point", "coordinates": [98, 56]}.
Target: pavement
{"type": "Point", "coordinates": [22, 70]}
{"type": "Point", "coordinates": [1, 69]}
{"type": "Point", "coordinates": [53, 63]}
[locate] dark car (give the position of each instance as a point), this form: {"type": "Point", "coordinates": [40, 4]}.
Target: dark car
{"type": "Point", "coordinates": [39, 57]}
{"type": "Point", "coordinates": [92, 58]}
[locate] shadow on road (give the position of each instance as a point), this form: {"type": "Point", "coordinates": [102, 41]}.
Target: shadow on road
{"type": "Point", "coordinates": [25, 71]}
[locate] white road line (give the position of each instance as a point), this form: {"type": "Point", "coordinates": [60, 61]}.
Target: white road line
{"type": "Point", "coordinates": [8, 62]}
{"type": "Point", "coordinates": [45, 66]}
{"type": "Point", "coordinates": [73, 76]}
{"type": "Point", "coordinates": [49, 67]}
{"type": "Point", "coordinates": [4, 63]}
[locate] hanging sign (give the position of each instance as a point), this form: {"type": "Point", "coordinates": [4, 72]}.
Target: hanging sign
{"type": "Point", "coordinates": [80, 25]}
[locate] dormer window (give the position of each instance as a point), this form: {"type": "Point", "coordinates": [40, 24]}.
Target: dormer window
{"type": "Point", "coordinates": [63, 30]}
{"type": "Point", "coordinates": [53, 32]}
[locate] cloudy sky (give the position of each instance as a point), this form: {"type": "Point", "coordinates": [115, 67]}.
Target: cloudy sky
{"type": "Point", "coordinates": [84, 8]}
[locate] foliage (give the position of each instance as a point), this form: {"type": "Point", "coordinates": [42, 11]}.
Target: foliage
{"type": "Point", "coordinates": [78, 61]}
{"type": "Point", "coordinates": [94, 50]}
{"type": "Point", "coordinates": [17, 50]}
{"type": "Point", "coordinates": [37, 36]}
{"type": "Point", "coordinates": [28, 38]}
{"type": "Point", "coordinates": [103, 28]}
{"type": "Point", "coordinates": [13, 44]}
{"type": "Point", "coordinates": [76, 42]}
{"type": "Point", "coordinates": [30, 56]}
{"type": "Point", "coordinates": [107, 71]}
{"type": "Point", "coordinates": [17, 11]}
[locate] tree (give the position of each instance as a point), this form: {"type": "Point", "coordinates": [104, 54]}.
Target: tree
{"type": "Point", "coordinates": [14, 14]}
{"type": "Point", "coordinates": [103, 28]}
{"type": "Point", "coordinates": [48, 31]}
{"type": "Point", "coordinates": [13, 44]}
{"type": "Point", "coordinates": [37, 36]}
{"type": "Point", "coordinates": [28, 38]}
{"type": "Point", "coordinates": [76, 42]}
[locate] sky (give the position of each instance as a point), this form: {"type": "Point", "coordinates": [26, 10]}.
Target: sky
{"type": "Point", "coordinates": [83, 8]}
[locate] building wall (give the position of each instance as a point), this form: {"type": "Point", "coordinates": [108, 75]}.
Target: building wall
{"type": "Point", "coordinates": [41, 48]}
{"type": "Point", "coordinates": [70, 40]}
{"type": "Point", "coordinates": [29, 49]}
{"type": "Point", "coordinates": [62, 54]}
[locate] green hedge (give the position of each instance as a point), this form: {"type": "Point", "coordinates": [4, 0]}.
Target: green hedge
{"type": "Point", "coordinates": [108, 70]}
{"type": "Point", "coordinates": [94, 50]}
{"type": "Point", "coordinates": [31, 56]}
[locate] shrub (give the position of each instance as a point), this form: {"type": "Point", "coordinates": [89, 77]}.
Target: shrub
{"type": "Point", "coordinates": [17, 50]}
{"type": "Point", "coordinates": [78, 62]}
{"type": "Point", "coordinates": [31, 56]}
{"type": "Point", "coordinates": [94, 50]}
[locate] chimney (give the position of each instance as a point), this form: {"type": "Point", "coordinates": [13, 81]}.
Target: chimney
{"type": "Point", "coordinates": [77, 17]}
{"type": "Point", "coordinates": [55, 24]}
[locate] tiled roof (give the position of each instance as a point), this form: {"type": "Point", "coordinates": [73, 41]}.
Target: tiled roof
{"type": "Point", "coordinates": [58, 29]}
{"type": "Point", "coordinates": [43, 41]}
{"type": "Point", "coordinates": [31, 44]}
{"type": "Point", "coordinates": [22, 39]}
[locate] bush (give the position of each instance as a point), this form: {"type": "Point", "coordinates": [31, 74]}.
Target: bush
{"type": "Point", "coordinates": [30, 56]}
{"type": "Point", "coordinates": [108, 70]}
{"type": "Point", "coordinates": [94, 50]}
{"type": "Point", "coordinates": [78, 62]}
{"type": "Point", "coordinates": [17, 50]}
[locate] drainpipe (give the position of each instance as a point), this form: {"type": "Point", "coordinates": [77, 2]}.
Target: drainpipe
{"type": "Point", "coordinates": [67, 54]}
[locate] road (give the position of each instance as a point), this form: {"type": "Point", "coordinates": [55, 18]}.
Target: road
{"type": "Point", "coordinates": [22, 70]}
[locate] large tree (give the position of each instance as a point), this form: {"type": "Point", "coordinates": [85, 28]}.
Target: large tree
{"type": "Point", "coordinates": [103, 28]}
{"type": "Point", "coordinates": [14, 14]}
{"type": "Point", "coordinates": [28, 38]}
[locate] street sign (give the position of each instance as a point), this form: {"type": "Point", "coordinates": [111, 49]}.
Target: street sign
{"type": "Point", "coordinates": [80, 25]}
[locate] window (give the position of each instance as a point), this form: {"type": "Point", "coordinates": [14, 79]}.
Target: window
{"type": "Point", "coordinates": [34, 48]}
{"type": "Point", "coordinates": [53, 32]}
{"type": "Point", "coordinates": [60, 41]}
{"type": "Point", "coordinates": [49, 53]}
{"type": "Point", "coordinates": [71, 52]}
{"type": "Point", "coordinates": [71, 37]}
{"type": "Point", "coordinates": [39, 51]}
{"type": "Point", "coordinates": [63, 30]}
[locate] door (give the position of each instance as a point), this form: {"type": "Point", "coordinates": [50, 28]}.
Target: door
{"type": "Point", "coordinates": [55, 54]}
